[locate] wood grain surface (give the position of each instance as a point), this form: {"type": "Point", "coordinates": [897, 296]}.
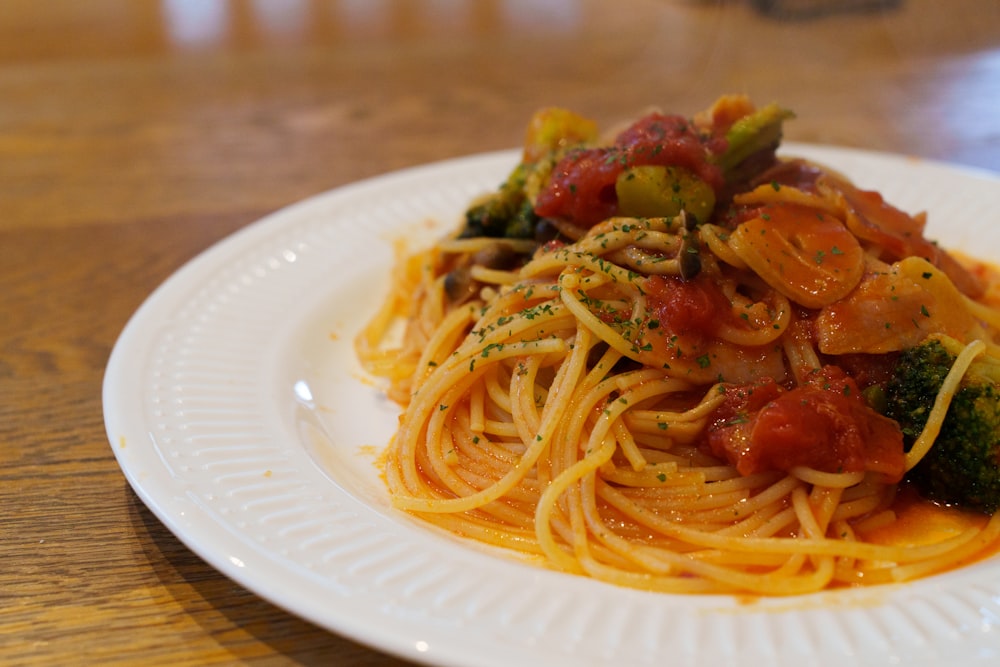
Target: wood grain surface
{"type": "Point", "coordinates": [136, 133]}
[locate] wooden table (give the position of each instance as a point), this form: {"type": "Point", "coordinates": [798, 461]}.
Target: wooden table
{"type": "Point", "coordinates": [135, 133]}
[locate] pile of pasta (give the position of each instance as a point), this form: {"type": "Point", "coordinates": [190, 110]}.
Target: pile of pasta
{"type": "Point", "coordinates": [588, 404]}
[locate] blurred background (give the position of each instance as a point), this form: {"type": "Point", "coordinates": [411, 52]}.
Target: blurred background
{"type": "Point", "coordinates": [210, 91]}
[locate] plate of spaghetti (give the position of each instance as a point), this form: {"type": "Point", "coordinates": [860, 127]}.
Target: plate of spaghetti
{"type": "Point", "coordinates": [671, 388]}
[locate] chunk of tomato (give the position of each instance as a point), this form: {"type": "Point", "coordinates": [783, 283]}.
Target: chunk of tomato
{"type": "Point", "coordinates": [582, 185]}
{"type": "Point", "coordinates": [824, 425]}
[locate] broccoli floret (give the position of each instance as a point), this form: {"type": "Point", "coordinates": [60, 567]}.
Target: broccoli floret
{"type": "Point", "coordinates": [509, 212]}
{"type": "Point", "coordinates": [963, 466]}
{"type": "Point", "coordinates": [506, 213]}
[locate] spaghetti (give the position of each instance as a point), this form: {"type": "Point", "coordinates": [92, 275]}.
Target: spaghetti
{"type": "Point", "coordinates": [671, 400]}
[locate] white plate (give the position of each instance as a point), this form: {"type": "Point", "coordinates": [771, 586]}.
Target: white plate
{"type": "Point", "coordinates": [239, 415]}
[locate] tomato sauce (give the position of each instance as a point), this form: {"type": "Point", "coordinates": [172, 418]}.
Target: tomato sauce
{"type": "Point", "coordinates": [681, 334]}
{"type": "Point", "coordinates": [582, 186]}
{"type": "Point", "coordinates": [919, 521]}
